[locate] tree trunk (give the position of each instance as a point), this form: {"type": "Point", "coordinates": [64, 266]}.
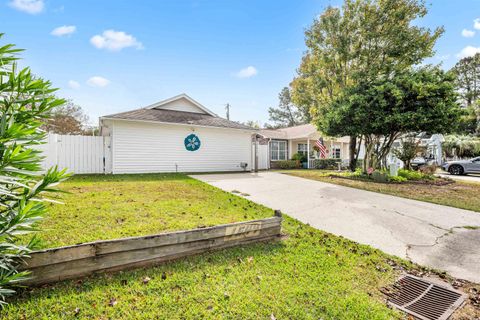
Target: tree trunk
{"type": "Point", "coordinates": [352, 153]}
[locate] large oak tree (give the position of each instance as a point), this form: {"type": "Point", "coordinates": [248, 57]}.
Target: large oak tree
{"type": "Point", "coordinates": [382, 110]}
{"type": "Point", "coordinates": [365, 40]}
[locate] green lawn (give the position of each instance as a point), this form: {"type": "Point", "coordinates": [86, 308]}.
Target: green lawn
{"type": "Point", "coordinates": [99, 207]}
{"type": "Point", "coordinates": [309, 274]}
{"type": "Point", "coordinates": [459, 194]}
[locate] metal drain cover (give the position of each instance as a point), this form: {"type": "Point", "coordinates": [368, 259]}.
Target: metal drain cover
{"type": "Point", "coordinates": [424, 300]}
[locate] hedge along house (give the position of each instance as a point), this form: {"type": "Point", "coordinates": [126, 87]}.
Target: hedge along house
{"type": "Point", "coordinates": [285, 142]}
{"type": "Point", "coordinates": [175, 135]}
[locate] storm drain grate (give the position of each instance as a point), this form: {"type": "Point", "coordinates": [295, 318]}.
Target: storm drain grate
{"type": "Point", "coordinates": [423, 299]}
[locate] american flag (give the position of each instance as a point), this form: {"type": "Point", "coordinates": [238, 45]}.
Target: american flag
{"type": "Point", "coordinates": [321, 147]}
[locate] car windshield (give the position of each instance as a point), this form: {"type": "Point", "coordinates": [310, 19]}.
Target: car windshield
{"type": "Point", "coordinates": [476, 159]}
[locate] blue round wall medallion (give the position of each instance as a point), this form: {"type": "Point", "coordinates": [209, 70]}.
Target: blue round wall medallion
{"type": "Point", "coordinates": [192, 142]}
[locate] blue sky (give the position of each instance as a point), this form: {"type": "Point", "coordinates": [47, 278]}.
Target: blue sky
{"type": "Point", "coordinates": [111, 56]}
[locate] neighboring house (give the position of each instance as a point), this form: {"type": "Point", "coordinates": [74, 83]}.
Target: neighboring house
{"type": "Point", "coordinates": [430, 150]}
{"type": "Point", "coordinates": [175, 135]}
{"type": "Point", "coordinates": [284, 143]}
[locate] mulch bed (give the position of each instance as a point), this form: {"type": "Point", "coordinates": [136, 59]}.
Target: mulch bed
{"type": "Point", "coordinates": [434, 182]}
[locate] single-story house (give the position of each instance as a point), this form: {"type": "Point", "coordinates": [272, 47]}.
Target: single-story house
{"type": "Point", "coordinates": [175, 135]}
{"type": "Point", "coordinates": [282, 144]}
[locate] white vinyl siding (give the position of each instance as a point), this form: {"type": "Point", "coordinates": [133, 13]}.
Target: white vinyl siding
{"type": "Point", "coordinates": [142, 147]}
{"type": "Point", "coordinates": [181, 104]}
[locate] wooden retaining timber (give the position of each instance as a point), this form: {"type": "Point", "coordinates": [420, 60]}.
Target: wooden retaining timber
{"type": "Point", "coordinates": [70, 262]}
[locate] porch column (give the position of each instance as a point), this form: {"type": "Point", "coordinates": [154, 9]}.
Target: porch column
{"type": "Point", "coordinates": [308, 153]}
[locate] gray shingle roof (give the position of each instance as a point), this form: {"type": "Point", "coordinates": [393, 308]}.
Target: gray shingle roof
{"type": "Point", "coordinates": [181, 117]}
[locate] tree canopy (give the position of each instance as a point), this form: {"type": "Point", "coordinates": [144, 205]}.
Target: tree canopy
{"type": "Point", "coordinates": [467, 73]}
{"type": "Point", "coordinates": [365, 40]}
{"type": "Point", "coordinates": [67, 119]}
{"type": "Point", "coordinates": [382, 110]}
{"type": "Point", "coordinates": [287, 114]}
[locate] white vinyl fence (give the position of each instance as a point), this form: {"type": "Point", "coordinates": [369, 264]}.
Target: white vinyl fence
{"type": "Point", "coordinates": [79, 154]}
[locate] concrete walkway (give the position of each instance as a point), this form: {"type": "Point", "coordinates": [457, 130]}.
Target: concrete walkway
{"type": "Point", "coordinates": [441, 237]}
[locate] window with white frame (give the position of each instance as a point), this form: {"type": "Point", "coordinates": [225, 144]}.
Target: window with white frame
{"type": "Point", "coordinates": [336, 152]}
{"type": "Point", "coordinates": [302, 149]}
{"type": "Point", "coordinates": [278, 150]}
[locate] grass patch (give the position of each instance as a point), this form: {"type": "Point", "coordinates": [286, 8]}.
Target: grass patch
{"type": "Point", "coordinates": [101, 207]}
{"type": "Point", "coordinates": [459, 194]}
{"type": "Point", "coordinates": [308, 275]}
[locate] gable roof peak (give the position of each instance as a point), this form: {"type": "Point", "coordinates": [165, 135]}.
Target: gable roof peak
{"type": "Point", "coordinates": [178, 97]}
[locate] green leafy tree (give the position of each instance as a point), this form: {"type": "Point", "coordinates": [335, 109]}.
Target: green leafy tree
{"type": "Point", "coordinates": [67, 119]}
{"type": "Point", "coordinates": [414, 101]}
{"type": "Point", "coordinates": [287, 114]}
{"type": "Point", "coordinates": [365, 40]}
{"type": "Point", "coordinates": [467, 73]}
{"type": "Point", "coordinates": [407, 151]}
{"type": "Point", "coordinates": [26, 103]}
{"type": "Point", "coordinates": [469, 123]}
{"type": "Point", "coordinates": [252, 123]}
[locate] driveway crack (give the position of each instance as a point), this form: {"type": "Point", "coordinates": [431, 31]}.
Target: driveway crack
{"type": "Point", "coordinates": [421, 220]}
{"type": "Point", "coordinates": [436, 242]}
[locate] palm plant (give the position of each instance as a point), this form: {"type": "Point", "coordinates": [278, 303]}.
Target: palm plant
{"type": "Point", "coordinates": [25, 104]}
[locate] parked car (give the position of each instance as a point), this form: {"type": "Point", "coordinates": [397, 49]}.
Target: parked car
{"type": "Point", "coordinates": [462, 166]}
{"type": "Point", "coordinates": [418, 162]}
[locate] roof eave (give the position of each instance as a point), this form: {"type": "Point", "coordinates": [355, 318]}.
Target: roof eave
{"type": "Point", "coordinates": [178, 124]}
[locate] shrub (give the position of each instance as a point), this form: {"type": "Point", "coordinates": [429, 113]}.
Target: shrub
{"type": "Point", "coordinates": [379, 176]}
{"type": "Point", "coordinates": [357, 173]}
{"type": "Point", "coordinates": [461, 146]}
{"type": "Point", "coordinates": [412, 175]}
{"type": "Point", "coordinates": [288, 164]}
{"type": "Point", "coordinates": [299, 157]}
{"type": "Point", "coordinates": [397, 179]}
{"type": "Point", "coordinates": [359, 163]}
{"type": "Point", "coordinates": [25, 104]}
{"type": "Point", "coordinates": [428, 170]}
{"type": "Point", "coordinates": [326, 163]}
{"type": "Point", "coordinates": [409, 174]}
{"type": "Point", "coordinates": [407, 151]}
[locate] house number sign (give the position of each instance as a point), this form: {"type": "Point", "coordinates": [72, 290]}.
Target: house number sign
{"type": "Point", "coordinates": [192, 142]}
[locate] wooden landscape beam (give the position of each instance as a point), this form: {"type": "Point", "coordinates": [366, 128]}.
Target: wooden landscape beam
{"type": "Point", "coordinates": [56, 264]}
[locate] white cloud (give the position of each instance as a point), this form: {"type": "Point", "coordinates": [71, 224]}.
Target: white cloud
{"type": "Point", "coordinates": [28, 6]}
{"type": "Point", "coordinates": [247, 72]}
{"type": "Point", "coordinates": [468, 51]}
{"type": "Point", "coordinates": [98, 81]}
{"type": "Point", "coordinates": [476, 23]}
{"type": "Point", "coordinates": [468, 33]}
{"type": "Point", "coordinates": [63, 31]}
{"type": "Point", "coordinates": [115, 40]}
{"type": "Point", "coordinates": [73, 84]}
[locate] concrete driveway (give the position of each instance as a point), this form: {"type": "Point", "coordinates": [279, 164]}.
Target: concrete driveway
{"type": "Point", "coordinates": [441, 237]}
